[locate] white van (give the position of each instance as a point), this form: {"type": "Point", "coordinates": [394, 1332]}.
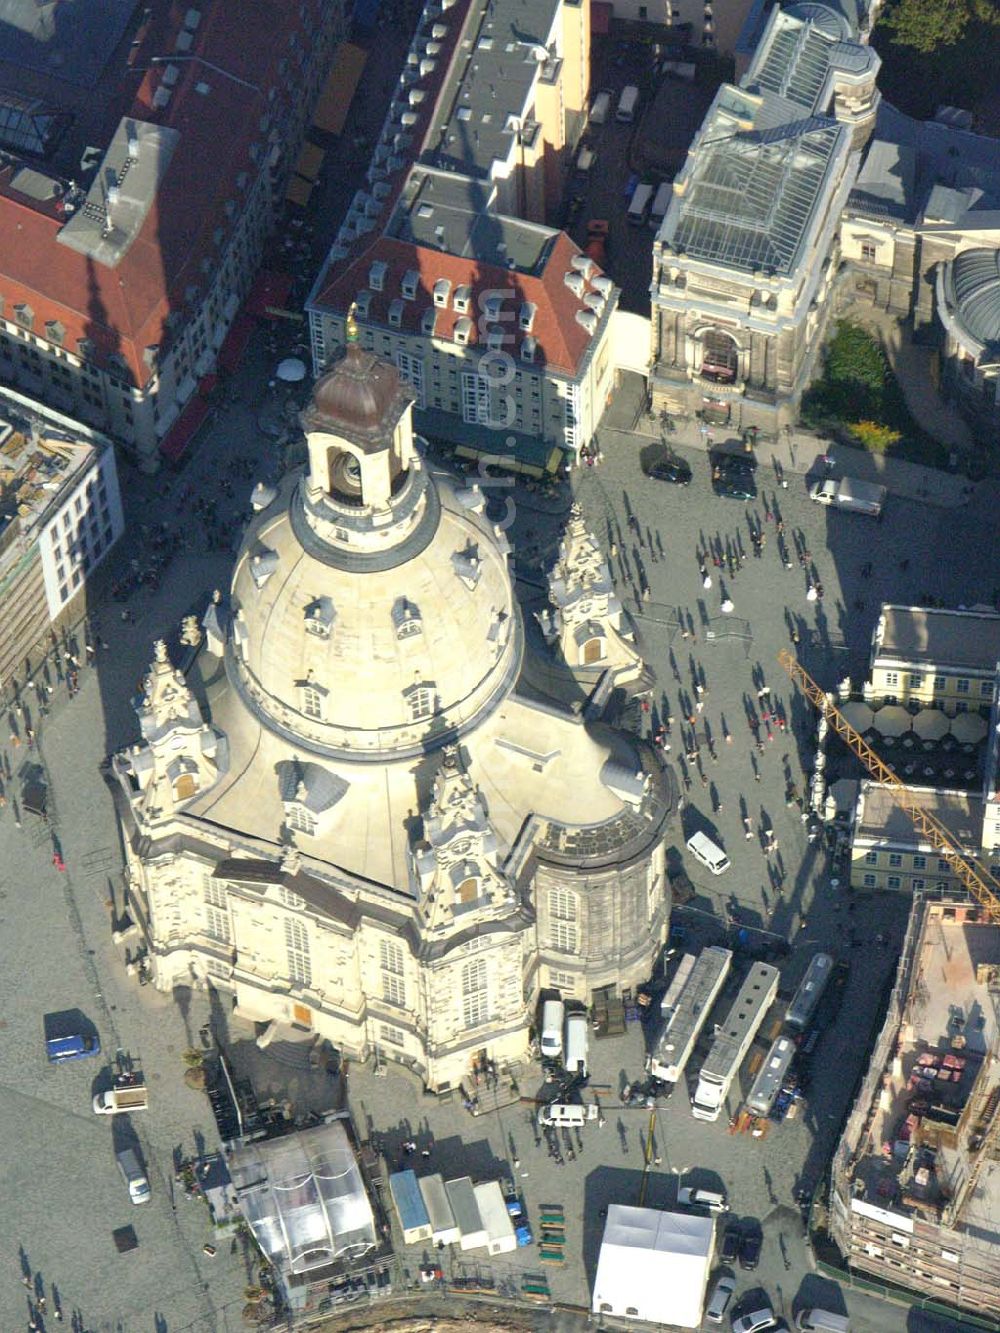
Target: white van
{"type": "Point", "coordinates": [600, 107]}
{"type": "Point", "coordinates": [585, 158]}
{"type": "Point", "coordinates": [553, 1018]}
{"type": "Point", "coordinates": [825, 1320]}
{"type": "Point", "coordinates": [133, 1176]}
{"type": "Point", "coordinates": [712, 856]}
{"type": "Point", "coordinates": [710, 1199]}
{"type": "Point", "coordinates": [638, 209]}
{"type": "Point", "coordinates": [661, 202]}
{"type": "Point", "coordinates": [562, 1115]}
{"type": "Point", "coordinates": [627, 104]}
{"type": "Point", "coordinates": [575, 1057]}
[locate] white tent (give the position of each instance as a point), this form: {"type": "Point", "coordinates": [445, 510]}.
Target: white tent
{"type": "Point", "coordinates": [654, 1266]}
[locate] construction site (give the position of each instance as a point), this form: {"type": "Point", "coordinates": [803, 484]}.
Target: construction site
{"type": "Point", "coordinates": [916, 1179]}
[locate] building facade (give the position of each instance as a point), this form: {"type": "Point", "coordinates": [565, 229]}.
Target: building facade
{"type": "Point", "coordinates": [926, 656]}
{"type": "Point", "coordinates": [378, 838]}
{"type": "Point", "coordinates": [60, 515]}
{"type": "Point", "coordinates": [744, 261]}
{"type": "Point", "coordinates": [499, 324]}
{"type": "Point", "coordinates": [116, 298]}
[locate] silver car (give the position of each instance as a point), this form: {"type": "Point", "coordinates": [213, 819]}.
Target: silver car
{"type": "Point", "coordinates": [718, 1302]}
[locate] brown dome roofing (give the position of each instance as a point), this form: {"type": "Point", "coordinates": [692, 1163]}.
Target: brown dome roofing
{"type": "Point", "coordinates": [360, 392]}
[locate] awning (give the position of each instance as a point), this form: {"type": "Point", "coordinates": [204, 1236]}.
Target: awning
{"type": "Point", "coordinates": [298, 191]}
{"type": "Point", "coordinates": [600, 17]}
{"type": "Point", "coordinates": [338, 92]}
{"type": "Point", "coordinates": [178, 438]}
{"type": "Point", "coordinates": [269, 292]}
{"type": "Point", "coordinates": [231, 351]}
{"type": "Point", "coordinates": [310, 161]}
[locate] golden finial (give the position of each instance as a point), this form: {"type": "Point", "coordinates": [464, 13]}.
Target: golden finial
{"type": "Point", "coordinates": [351, 331]}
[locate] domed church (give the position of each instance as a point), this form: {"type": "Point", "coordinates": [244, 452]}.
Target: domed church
{"type": "Point", "coordinates": [360, 813]}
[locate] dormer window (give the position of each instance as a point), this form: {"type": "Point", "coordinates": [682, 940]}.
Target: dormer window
{"type": "Point", "coordinates": [24, 315]}
{"type": "Point", "coordinates": [462, 299]}
{"type": "Point", "coordinates": [529, 349]}
{"type": "Point", "coordinates": [364, 304]}
{"type": "Point", "coordinates": [396, 313]}
{"type": "Point", "coordinates": [442, 290]}
{"type": "Point", "coordinates": [55, 331]}
{"type": "Point", "coordinates": [496, 339]}
{"type": "Point", "coordinates": [463, 330]}
{"type": "Point", "coordinates": [409, 285]}
{"type": "Point", "coordinates": [320, 615]}
{"type": "Point", "coordinates": [428, 322]}
{"type": "Point", "coordinates": [262, 566]}
{"type": "Point", "coordinates": [467, 564]}
{"type": "Point", "coordinates": [377, 275]}
{"type": "Point", "coordinates": [421, 699]}
{"type": "Point", "coordinates": [85, 349]}
{"type": "Point", "coordinates": [313, 698]}
{"type": "Point", "coordinates": [526, 316]}
{"type": "Point", "coordinates": [406, 619]}
{"type": "Point", "coordinates": [491, 307]}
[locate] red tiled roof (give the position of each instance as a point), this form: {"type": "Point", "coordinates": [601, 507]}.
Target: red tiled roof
{"type": "Point", "coordinates": [561, 340]}
{"type": "Point", "coordinates": [124, 309]}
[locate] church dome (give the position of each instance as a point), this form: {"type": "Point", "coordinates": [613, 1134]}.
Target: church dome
{"type": "Point", "coordinates": [392, 656]}
{"type": "Point", "coordinates": [360, 393]}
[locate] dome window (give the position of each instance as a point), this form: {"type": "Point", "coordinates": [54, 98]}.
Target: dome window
{"type": "Point", "coordinates": [262, 566]}
{"type": "Point", "coordinates": [320, 615]}
{"type": "Point", "coordinates": [467, 565]}
{"type": "Point", "coordinates": [421, 699]}
{"type": "Point", "coordinates": [313, 697]}
{"type": "Point", "coordinates": [406, 619]}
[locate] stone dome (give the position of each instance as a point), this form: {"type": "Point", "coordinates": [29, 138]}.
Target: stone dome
{"type": "Point", "coordinates": [360, 392]}
{"type": "Point", "coordinates": [382, 660]}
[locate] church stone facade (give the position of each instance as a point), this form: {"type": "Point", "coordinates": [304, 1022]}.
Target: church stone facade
{"type": "Point", "coordinates": [348, 816]}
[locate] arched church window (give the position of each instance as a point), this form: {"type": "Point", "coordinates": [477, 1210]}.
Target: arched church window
{"type": "Point", "coordinates": [719, 356]}
{"type": "Point", "coordinates": [475, 993]}
{"type": "Point", "coordinates": [593, 651]}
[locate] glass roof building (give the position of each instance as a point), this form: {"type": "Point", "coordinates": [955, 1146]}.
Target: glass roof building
{"type": "Point", "coordinates": [747, 250]}
{"type": "Point", "coordinates": [304, 1198]}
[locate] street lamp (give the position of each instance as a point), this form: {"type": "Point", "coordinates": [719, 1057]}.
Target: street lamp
{"type": "Point", "coordinates": [177, 59]}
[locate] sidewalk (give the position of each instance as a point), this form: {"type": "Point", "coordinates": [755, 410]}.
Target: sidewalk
{"type": "Point", "coordinates": [800, 453]}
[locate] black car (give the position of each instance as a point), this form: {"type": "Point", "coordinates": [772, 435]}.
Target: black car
{"type": "Point", "coordinates": [674, 470]}
{"type": "Point", "coordinates": [731, 1238]}
{"type": "Point", "coordinates": [734, 478]}
{"type": "Point", "coordinates": [750, 1246]}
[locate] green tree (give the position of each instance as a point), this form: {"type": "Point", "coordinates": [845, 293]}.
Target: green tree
{"type": "Point", "coordinates": [928, 25]}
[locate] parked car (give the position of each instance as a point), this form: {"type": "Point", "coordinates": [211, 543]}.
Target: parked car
{"type": "Point", "coordinates": [756, 1321]}
{"type": "Point", "coordinates": [718, 1302]}
{"type": "Point", "coordinates": [750, 1247]}
{"type": "Point", "coordinates": [713, 1200]}
{"type": "Point", "coordinates": [631, 185]}
{"type": "Point", "coordinates": [674, 470]}
{"type": "Point", "coordinates": [734, 478]}
{"type": "Point", "coordinates": [731, 1238]}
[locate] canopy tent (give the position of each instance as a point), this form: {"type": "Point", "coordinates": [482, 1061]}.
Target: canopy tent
{"type": "Point", "coordinates": [304, 1198]}
{"type": "Point", "coordinates": [857, 714]}
{"type": "Point", "coordinates": [654, 1265]}
{"type": "Point", "coordinates": [291, 371]}
{"type": "Point", "coordinates": [931, 724]}
{"type": "Point", "coordinates": [969, 727]}
{"type": "Point", "coordinates": [892, 720]}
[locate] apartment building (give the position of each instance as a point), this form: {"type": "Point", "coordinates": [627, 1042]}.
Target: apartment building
{"type": "Point", "coordinates": [929, 656]}
{"type": "Point", "coordinates": [889, 853]}
{"type": "Point", "coordinates": [518, 350]}
{"type": "Point", "coordinates": [745, 259]}
{"type": "Point", "coordinates": [497, 322]}
{"type": "Point", "coordinates": [60, 515]}
{"type": "Point", "coordinates": [131, 246]}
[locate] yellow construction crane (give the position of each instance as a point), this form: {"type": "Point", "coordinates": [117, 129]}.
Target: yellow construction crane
{"type": "Point", "coordinates": [980, 884]}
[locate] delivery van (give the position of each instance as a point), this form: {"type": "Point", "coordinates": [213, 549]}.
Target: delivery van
{"type": "Point", "coordinates": [600, 107]}
{"type": "Point", "coordinates": [562, 1115]}
{"type": "Point", "coordinates": [638, 209]}
{"type": "Point", "coordinates": [553, 1018]}
{"type": "Point", "coordinates": [133, 1176]}
{"type": "Point", "coordinates": [823, 1320]}
{"type": "Point", "coordinates": [575, 1057]}
{"type": "Point", "coordinates": [627, 104]}
{"type": "Point", "coordinates": [75, 1047]}
{"type": "Point", "coordinates": [711, 855]}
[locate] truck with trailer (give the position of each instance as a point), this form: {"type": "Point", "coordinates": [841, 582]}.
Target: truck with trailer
{"type": "Point", "coordinates": [861, 497]}
{"type": "Point", "coordinates": [771, 1076]}
{"type": "Point", "coordinates": [810, 990]}
{"type": "Point", "coordinates": [691, 1008]}
{"type": "Point", "coordinates": [732, 1041]}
